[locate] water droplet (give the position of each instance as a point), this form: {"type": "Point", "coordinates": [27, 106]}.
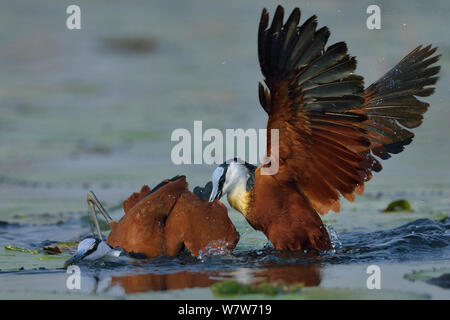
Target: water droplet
{"type": "Point", "coordinates": [335, 241]}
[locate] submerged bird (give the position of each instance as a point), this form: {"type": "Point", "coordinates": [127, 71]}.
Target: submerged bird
{"type": "Point", "coordinates": [331, 129]}
{"type": "Point", "coordinates": [162, 222]}
{"type": "Point", "coordinates": [92, 249]}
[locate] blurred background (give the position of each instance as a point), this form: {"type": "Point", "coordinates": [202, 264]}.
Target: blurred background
{"type": "Point", "coordinates": [94, 109]}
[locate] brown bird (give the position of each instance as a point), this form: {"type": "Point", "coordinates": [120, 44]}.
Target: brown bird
{"type": "Point", "coordinates": [161, 222]}
{"type": "Point", "coordinates": [170, 217]}
{"type": "Point", "coordinates": [331, 129]}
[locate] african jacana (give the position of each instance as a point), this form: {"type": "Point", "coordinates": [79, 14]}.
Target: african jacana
{"type": "Point", "coordinates": [92, 249]}
{"type": "Point", "coordinates": [330, 129]}
{"type": "Point", "coordinates": [161, 222]}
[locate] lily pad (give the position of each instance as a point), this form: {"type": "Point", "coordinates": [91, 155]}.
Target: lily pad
{"type": "Point", "coordinates": [398, 205]}
{"type": "Point", "coordinates": [439, 277]}
{"type": "Point", "coordinates": [17, 249]}
{"type": "Point", "coordinates": [232, 288]}
{"type": "Point", "coordinates": [315, 293]}
{"type": "Point", "coordinates": [67, 244]}
{"type": "Point", "coordinates": [235, 290]}
{"type": "Point", "coordinates": [51, 257]}
{"type": "Point", "coordinates": [442, 281]}
{"type": "Point", "coordinates": [425, 274]}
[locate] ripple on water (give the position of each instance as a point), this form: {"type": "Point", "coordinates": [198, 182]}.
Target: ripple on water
{"type": "Point", "coordinates": [419, 240]}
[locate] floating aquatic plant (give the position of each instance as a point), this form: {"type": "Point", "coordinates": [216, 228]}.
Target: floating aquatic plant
{"type": "Point", "coordinates": [423, 275]}
{"type": "Point", "coordinates": [232, 288]}
{"type": "Point", "coordinates": [398, 205]}
{"type": "Point", "coordinates": [18, 249]}
{"type": "Point", "coordinates": [67, 244]}
{"type": "Point", "coordinates": [47, 250]}
{"type": "Point", "coordinates": [437, 277]}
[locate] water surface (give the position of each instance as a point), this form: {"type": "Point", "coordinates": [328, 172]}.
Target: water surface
{"type": "Point", "coordinates": [94, 110]}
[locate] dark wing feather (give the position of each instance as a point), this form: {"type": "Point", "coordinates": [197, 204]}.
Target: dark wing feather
{"type": "Point", "coordinates": [330, 128]}
{"type": "Point", "coordinates": [391, 105]}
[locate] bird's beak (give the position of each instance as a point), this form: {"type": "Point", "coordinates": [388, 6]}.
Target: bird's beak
{"type": "Point", "coordinates": [215, 194]}
{"type": "Point", "coordinates": [77, 257]}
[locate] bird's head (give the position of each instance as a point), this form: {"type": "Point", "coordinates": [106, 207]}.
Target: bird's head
{"type": "Point", "coordinates": [89, 249]}
{"type": "Point", "coordinates": [233, 175]}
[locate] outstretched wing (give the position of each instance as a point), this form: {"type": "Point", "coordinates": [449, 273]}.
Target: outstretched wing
{"type": "Point", "coordinates": [329, 127]}
{"type": "Point", "coordinates": [391, 105]}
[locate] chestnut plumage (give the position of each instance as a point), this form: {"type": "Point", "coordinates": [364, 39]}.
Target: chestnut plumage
{"type": "Point", "coordinates": [167, 219]}
{"type": "Point", "coordinates": [331, 129]}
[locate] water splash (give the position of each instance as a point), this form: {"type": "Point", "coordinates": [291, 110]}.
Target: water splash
{"type": "Point", "coordinates": [335, 240]}
{"type": "Point", "coordinates": [213, 248]}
